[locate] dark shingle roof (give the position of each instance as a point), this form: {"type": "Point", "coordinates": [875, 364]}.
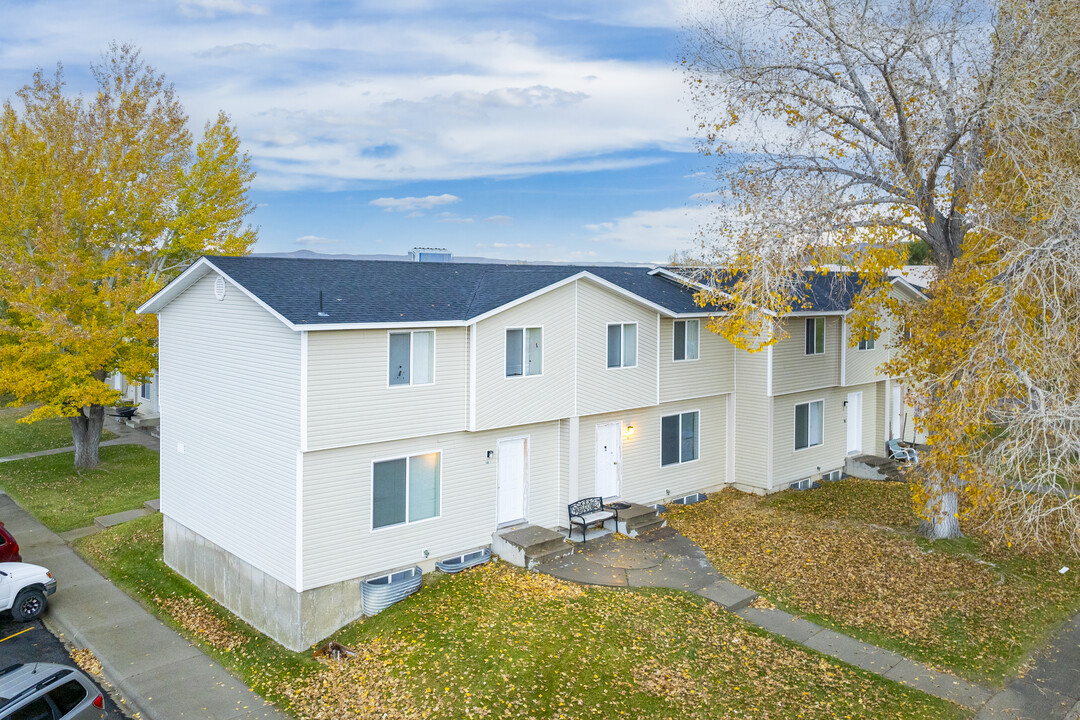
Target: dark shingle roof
{"type": "Point", "coordinates": [375, 291]}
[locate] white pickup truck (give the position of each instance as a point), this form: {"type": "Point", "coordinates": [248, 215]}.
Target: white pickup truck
{"type": "Point", "coordinates": [24, 589]}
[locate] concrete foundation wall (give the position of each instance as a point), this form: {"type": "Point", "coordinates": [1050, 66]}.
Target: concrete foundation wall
{"type": "Point", "coordinates": [296, 620]}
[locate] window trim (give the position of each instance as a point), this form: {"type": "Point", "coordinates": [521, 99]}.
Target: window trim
{"type": "Point", "coordinates": [622, 340]}
{"type": "Point", "coordinates": [412, 363]}
{"type": "Point", "coordinates": [685, 359]}
{"type": "Point", "coordinates": [408, 487]}
{"type": "Point", "coordinates": [862, 342]}
{"type": "Point", "coordinates": [697, 438]}
{"type": "Point", "coordinates": [824, 335]}
{"type": "Point", "coordinates": [524, 334]}
{"type": "Point", "coordinates": [794, 425]}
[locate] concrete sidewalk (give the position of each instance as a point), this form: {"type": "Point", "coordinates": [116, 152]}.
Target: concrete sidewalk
{"type": "Point", "coordinates": [158, 673]}
{"type": "Point", "coordinates": [1050, 689]}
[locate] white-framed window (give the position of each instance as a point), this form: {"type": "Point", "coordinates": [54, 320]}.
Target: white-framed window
{"type": "Point", "coordinates": [867, 342]}
{"type": "Point", "coordinates": [679, 438]}
{"type": "Point", "coordinates": [412, 357]}
{"type": "Point", "coordinates": [815, 336]}
{"type": "Point", "coordinates": [809, 424]}
{"type": "Point", "coordinates": [622, 345]}
{"type": "Point", "coordinates": [524, 351]}
{"type": "Point", "coordinates": [685, 340]}
{"type": "Point", "coordinates": [144, 391]}
{"type": "Point", "coordinates": [405, 489]}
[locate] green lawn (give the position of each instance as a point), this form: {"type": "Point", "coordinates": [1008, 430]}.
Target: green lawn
{"type": "Point", "coordinates": [63, 498]}
{"type": "Point", "coordinates": [846, 556]}
{"type": "Point", "coordinates": [499, 642]}
{"type": "Point", "coordinates": [16, 438]}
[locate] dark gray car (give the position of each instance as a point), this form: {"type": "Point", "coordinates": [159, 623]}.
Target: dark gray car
{"type": "Point", "coordinates": [46, 691]}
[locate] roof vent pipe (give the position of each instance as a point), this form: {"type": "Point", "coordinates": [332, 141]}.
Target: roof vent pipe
{"type": "Point", "coordinates": [321, 313]}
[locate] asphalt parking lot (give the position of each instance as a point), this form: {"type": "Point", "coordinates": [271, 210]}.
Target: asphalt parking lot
{"type": "Point", "coordinates": [32, 642]}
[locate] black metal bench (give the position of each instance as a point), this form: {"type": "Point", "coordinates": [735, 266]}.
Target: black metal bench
{"type": "Point", "coordinates": [588, 511]}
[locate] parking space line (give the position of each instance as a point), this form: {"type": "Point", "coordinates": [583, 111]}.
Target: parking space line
{"type": "Point", "coordinates": [18, 633]}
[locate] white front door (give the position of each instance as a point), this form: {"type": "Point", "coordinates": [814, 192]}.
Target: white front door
{"type": "Point", "coordinates": [608, 457]}
{"type": "Point", "coordinates": [512, 472]}
{"type": "Point", "coordinates": [854, 423]}
{"type": "Point", "coordinates": [896, 425]}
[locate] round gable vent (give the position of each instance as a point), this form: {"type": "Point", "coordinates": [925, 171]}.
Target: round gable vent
{"type": "Point", "coordinates": [219, 288]}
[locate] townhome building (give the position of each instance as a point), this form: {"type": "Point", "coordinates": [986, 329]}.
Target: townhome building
{"type": "Point", "coordinates": [324, 421]}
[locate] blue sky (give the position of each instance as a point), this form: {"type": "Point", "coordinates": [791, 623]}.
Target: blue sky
{"type": "Point", "coordinates": [538, 131]}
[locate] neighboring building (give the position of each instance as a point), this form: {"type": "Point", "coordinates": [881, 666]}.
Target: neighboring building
{"type": "Point", "coordinates": [328, 420]}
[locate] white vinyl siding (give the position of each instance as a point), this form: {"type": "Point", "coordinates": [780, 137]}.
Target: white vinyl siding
{"type": "Point", "coordinates": [643, 479]}
{"type": "Point", "coordinates": [600, 388]}
{"type": "Point", "coordinates": [714, 374]}
{"type": "Point", "coordinates": [789, 464]}
{"type": "Point", "coordinates": [864, 366]}
{"type": "Point", "coordinates": [686, 336]}
{"type": "Point", "coordinates": [794, 370]}
{"type": "Point", "coordinates": [622, 345]}
{"type": "Point", "coordinates": [339, 543]}
{"type": "Point", "coordinates": [349, 400]}
{"type": "Point", "coordinates": [230, 387]}
{"type": "Point", "coordinates": [503, 401]}
{"type": "Point", "coordinates": [412, 357]}
{"type": "Point", "coordinates": [753, 421]}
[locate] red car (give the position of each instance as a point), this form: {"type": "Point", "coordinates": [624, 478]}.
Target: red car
{"type": "Point", "coordinates": [9, 549]}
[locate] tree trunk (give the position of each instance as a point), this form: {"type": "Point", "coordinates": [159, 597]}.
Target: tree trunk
{"type": "Point", "coordinates": [86, 430]}
{"type": "Point", "coordinates": [942, 511]}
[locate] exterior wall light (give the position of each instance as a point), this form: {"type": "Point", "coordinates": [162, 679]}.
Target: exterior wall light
{"type": "Point", "coordinates": [629, 431]}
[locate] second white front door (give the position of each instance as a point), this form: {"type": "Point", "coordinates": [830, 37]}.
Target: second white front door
{"type": "Point", "coordinates": [854, 423]}
{"type": "Point", "coordinates": [608, 459]}
{"type": "Point", "coordinates": [512, 474]}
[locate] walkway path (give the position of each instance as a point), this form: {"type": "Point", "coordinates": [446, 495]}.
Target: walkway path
{"type": "Point", "coordinates": [159, 674]}
{"type": "Point", "coordinates": [1050, 690]}
{"type": "Point", "coordinates": [124, 436]}
{"type": "Point", "coordinates": [664, 558]}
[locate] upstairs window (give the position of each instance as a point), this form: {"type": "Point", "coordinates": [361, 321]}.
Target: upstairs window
{"type": "Point", "coordinates": [686, 340]}
{"type": "Point", "coordinates": [622, 345]}
{"type": "Point", "coordinates": [867, 343]}
{"type": "Point", "coordinates": [412, 357]}
{"type": "Point", "coordinates": [809, 422]}
{"type": "Point", "coordinates": [678, 438]}
{"type": "Point", "coordinates": [524, 351]}
{"type": "Point", "coordinates": [815, 336]}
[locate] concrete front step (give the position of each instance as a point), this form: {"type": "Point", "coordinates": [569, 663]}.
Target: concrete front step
{"type": "Point", "coordinates": [547, 556]}
{"type": "Point", "coordinates": [153, 505]}
{"type": "Point", "coordinates": [872, 467]}
{"type": "Point", "coordinates": [592, 533]}
{"type": "Point", "coordinates": [638, 519]}
{"type": "Point", "coordinates": [523, 546]}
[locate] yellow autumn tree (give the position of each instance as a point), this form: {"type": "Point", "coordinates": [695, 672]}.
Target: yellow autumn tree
{"type": "Point", "coordinates": [845, 131]}
{"type": "Point", "coordinates": [102, 201]}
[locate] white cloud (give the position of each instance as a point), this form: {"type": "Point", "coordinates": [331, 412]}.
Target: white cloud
{"type": "Point", "coordinates": [653, 235]}
{"type": "Point", "coordinates": [511, 245]}
{"type": "Point", "coordinates": [395, 94]}
{"type": "Point", "coordinates": [212, 8]}
{"type": "Point", "coordinates": [413, 205]}
{"type": "Point", "coordinates": [500, 220]}
{"type": "Point", "coordinates": [315, 240]}
{"type": "Point", "coordinates": [456, 219]}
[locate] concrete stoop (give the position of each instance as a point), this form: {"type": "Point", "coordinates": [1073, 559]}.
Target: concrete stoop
{"type": "Point", "coordinates": [529, 545]}
{"type": "Point", "coordinates": [639, 519]}
{"type": "Point", "coordinates": [728, 595]}
{"type": "Point", "coordinates": [872, 467]}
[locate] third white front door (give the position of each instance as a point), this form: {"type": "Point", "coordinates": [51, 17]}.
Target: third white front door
{"type": "Point", "coordinates": [854, 423]}
{"type": "Point", "coordinates": [608, 458]}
